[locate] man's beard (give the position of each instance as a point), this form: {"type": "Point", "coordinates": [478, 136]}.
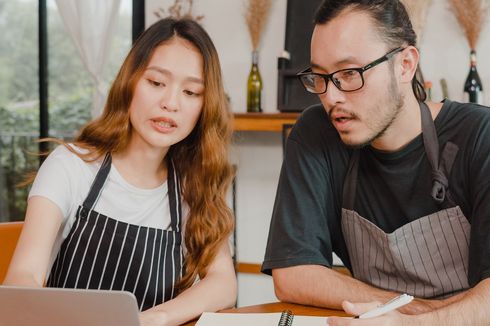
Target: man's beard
{"type": "Point", "coordinates": [395, 101]}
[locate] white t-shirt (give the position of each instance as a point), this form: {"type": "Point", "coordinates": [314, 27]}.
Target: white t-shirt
{"type": "Point", "coordinates": [65, 179]}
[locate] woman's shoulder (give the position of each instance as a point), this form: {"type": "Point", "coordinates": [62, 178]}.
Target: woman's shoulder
{"type": "Point", "coordinates": [69, 155]}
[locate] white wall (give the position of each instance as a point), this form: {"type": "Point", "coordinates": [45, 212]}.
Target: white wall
{"type": "Point", "coordinates": [225, 24]}
{"type": "Point", "coordinates": [258, 154]}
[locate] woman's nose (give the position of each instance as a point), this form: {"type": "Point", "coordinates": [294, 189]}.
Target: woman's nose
{"type": "Point", "coordinates": [169, 100]}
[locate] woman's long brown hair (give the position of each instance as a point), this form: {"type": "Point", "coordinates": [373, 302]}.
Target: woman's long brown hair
{"type": "Point", "coordinates": [201, 159]}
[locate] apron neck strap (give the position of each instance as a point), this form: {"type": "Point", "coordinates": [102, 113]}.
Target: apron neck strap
{"type": "Point", "coordinates": [98, 183]}
{"type": "Point", "coordinates": [440, 184]}
{"type": "Point", "coordinates": [173, 186]}
{"type": "Point", "coordinates": [431, 143]}
{"type": "Point", "coordinates": [174, 196]}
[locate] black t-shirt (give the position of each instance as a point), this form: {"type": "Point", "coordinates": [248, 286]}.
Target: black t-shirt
{"type": "Point", "coordinates": [393, 188]}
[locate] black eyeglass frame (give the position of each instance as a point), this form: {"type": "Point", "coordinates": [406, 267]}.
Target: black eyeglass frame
{"type": "Point", "coordinates": [361, 70]}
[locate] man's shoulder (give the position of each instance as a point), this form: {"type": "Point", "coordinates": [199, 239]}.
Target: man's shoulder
{"type": "Point", "coordinates": [314, 122]}
{"type": "Point", "coordinates": [467, 110]}
{"type": "Point", "coordinates": [463, 117]}
{"type": "Point", "coordinates": [313, 114]}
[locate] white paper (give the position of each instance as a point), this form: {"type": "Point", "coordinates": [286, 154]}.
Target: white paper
{"type": "Point", "coordinates": [255, 319]}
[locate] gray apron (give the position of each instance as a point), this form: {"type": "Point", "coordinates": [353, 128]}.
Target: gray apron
{"type": "Point", "coordinates": [427, 257]}
{"type": "Point", "coordinates": [104, 253]}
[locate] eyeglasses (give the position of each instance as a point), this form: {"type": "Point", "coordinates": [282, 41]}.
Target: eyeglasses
{"type": "Point", "coordinates": [346, 80]}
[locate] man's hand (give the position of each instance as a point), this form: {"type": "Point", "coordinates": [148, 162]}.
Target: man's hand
{"type": "Point", "coordinates": [356, 309]}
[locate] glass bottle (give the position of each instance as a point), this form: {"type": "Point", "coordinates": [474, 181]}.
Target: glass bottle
{"type": "Point", "coordinates": [428, 90]}
{"type": "Point", "coordinates": [473, 87]}
{"type": "Point", "coordinates": [254, 86]}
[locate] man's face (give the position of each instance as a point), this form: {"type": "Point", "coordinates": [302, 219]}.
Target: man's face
{"type": "Point", "coordinates": [351, 41]}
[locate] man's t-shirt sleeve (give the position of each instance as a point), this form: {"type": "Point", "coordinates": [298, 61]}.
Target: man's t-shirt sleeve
{"type": "Point", "coordinates": [299, 231]}
{"type": "Point", "coordinates": [479, 192]}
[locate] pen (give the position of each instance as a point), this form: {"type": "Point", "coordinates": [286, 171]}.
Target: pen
{"type": "Point", "coordinates": [391, 305]}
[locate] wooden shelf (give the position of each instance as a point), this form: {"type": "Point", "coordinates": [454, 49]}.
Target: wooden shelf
{"type": "Point", "coordinates": [263, 121]}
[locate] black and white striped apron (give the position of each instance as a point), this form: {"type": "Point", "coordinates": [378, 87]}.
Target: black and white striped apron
{"type": "Point", "coordinates": [427, 257]}
{"type": "Point", "coordinates": [103, 253]}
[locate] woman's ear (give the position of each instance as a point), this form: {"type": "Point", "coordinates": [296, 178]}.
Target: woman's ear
{"type": "Point", "coordinates": [408, 64]}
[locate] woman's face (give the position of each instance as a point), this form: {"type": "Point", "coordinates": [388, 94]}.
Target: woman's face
{"type": "Point", "coordinates": [168, 98]}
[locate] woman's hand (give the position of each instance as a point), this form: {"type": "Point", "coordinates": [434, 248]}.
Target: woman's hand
{"type": "Point", "coordinates": [355, 309]}
{"type": "Point", "coordinates": [153, 318]}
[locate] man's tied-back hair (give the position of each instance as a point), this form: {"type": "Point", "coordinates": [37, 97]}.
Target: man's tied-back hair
{"type": "Point", "coordinates": [391, 19]}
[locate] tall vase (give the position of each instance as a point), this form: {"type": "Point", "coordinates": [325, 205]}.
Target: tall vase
{"type": "Point", "coordinates": [254, 86]}
{"type": "Point", "coordinates": [473, 87]}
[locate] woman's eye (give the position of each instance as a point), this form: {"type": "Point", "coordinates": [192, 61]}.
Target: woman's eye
{"type": "Point", "coordinates": [190, 93]}
{"type": "Point", "coordinates": [155, 83]}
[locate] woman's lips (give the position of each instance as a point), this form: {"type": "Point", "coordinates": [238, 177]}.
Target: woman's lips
{"type": "Point", "coordinates": [163, 125]}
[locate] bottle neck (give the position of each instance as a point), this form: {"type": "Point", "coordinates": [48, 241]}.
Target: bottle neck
{"type": "Point", "coordinates": [255, 57]}
{"type": "Point", "coordinates": [473, 58]}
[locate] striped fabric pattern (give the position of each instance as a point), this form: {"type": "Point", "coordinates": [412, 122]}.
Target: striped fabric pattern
{"type": "Point", "coordinates": [426, 258]}
{"type": "Point", "coordinates": [99, 253]}
{"type": "Point", "coordinates": [104, 253]}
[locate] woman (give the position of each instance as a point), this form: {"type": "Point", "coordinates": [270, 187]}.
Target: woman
{"type": "Point", "coordinates": [110, 210]}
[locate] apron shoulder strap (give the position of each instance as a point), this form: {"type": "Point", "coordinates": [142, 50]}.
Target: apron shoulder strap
{"type": "Point", "coordinates": [98, 182]}
{"type": "Point", "coordinates": [441, 164]}
{"type": "Point", "coordinates": [174, 196]}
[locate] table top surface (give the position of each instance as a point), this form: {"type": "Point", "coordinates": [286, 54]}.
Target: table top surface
{"type": "Point", "coordinates": [280, 306]}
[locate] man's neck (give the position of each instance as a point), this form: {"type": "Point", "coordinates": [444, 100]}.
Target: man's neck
{"type": "Point", "coordinates": [405, 127]}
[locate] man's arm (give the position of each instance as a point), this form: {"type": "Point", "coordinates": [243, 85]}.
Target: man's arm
{"type": "Point", "coordinates": [320, 286]}
{"type": "Point", "coordinates": [469, 309]}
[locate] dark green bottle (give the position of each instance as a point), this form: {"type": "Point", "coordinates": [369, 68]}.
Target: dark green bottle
{"type": "Point", "coordinates": [254, 86]}
{"type": "Point", "coordinates": [473, 87]}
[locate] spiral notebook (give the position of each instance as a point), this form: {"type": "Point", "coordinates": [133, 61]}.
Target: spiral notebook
{"type": "Point", "coordinates": [286, 318]}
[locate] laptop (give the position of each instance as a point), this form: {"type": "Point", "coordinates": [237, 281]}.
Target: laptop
{"type": "Point", "coordinates": [21, 306]}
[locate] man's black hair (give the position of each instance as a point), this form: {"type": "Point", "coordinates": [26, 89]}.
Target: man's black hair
{"type": "Point", "coordinates": [391, 19]}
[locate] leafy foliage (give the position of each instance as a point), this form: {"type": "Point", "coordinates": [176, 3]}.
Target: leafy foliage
{"type": "Point", "coordinates": [70, 92]}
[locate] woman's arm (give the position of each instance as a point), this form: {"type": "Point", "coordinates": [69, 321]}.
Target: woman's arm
{"type": "Point", "coordinates": [216, 291]}
{"type": "Point", "coordinates": [31, 257]}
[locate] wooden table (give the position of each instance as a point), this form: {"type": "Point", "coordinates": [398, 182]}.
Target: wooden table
{"type": "Point", "coordinates": [279, 307]}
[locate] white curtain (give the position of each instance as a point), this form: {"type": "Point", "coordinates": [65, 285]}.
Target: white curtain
{"type": "Point", "coordinates": [90, 24]}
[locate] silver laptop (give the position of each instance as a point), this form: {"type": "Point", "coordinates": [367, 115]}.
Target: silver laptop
{"type": "Point", "coordinates": [20, 306]}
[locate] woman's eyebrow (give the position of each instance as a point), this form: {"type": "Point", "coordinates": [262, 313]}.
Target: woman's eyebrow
{"type": "Point", "coordinates": [169, 73]}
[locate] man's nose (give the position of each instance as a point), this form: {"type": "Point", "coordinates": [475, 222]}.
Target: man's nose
{"type": "Point", "coordinates": [333, 95]}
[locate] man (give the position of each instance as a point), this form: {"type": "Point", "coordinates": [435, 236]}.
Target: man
{"type": "Point", "coordinates": [398, 189]}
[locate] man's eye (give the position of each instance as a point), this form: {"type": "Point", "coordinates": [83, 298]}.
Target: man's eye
{"type": "Point", "coordinates": [348, 74]}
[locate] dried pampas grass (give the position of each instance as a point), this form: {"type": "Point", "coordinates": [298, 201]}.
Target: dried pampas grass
{"type": "Point", "coordinates": [180, 9]}
{"type": "Point", "coordinates": [471, 16]}
{"type": "Point", "coordinates": [256, 15]}
{"type": "Point", "coordinates": [417, 10]}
